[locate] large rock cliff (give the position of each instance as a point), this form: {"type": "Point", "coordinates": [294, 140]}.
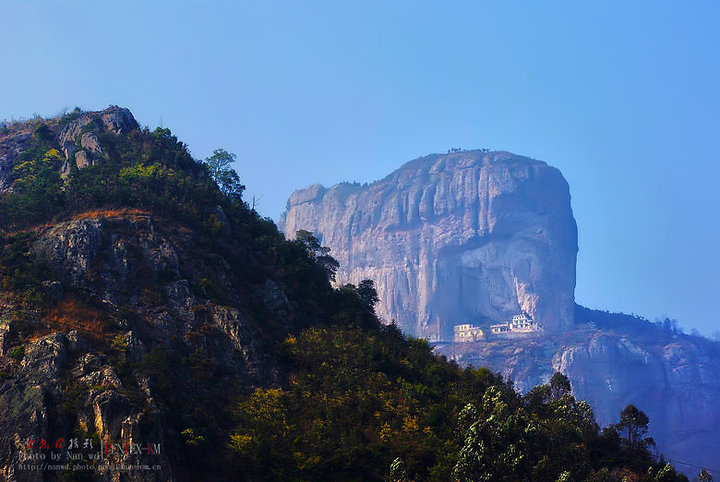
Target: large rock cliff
{"type": "Point", "coordinates": [471, 236]}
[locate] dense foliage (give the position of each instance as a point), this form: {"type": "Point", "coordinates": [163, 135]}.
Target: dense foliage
{"type": "Point", "coordinates": [359, 401]}
{"type": "Point", "coordinates": [355, 399]}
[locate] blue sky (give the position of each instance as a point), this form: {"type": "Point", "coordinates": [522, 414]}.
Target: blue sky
{"type": "Point", "coordinates": [622, 97]}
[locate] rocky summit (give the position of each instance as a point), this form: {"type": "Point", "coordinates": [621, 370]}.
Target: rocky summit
{"type": "Point", "coordinates": [466, 237]}
{"type": "Point", "coordinates": [77, 138]}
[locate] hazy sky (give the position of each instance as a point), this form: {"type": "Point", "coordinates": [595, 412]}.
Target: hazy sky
{"type": "Point", "coordinates": [623, 97]}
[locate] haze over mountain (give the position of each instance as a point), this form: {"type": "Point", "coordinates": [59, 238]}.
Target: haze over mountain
{"type": "Point", "coordinates": [476, 237]}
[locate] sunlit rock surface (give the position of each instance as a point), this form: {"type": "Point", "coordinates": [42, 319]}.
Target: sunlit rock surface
{"type": "Point", "coordinates": [470, 236]}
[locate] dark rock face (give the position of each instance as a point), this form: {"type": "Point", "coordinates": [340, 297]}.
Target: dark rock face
{"type": "Point", "coordinates": [135, 268]}
{"type": "Point", "coordinates": [33, 404]}
{"type": "Point", "coordinates": [29, 401]}
{"type": "Point", "coordinates": [11, 146]}
{"type": "Point", "coordinates": [448, 239]}
{"type": "Point", "coordinates": [72, 247]}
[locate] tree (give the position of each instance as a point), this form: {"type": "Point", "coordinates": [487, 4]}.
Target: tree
{"type": "Point", "coordinates": [559, 386]}
{"type": "Point", "coordinates": [633, 428]}
{"type": "Point", "coordinates": [329, 264]}
{"type": "Point", "coordinates": [311, 243]}
{"type": "Point", "coordinates": [494, 447]}
{"type": "Point", "coordinates": [540, 396]}
{"type": "Point", "coordinates": [317, 252]}
{"type": "Point", "coordinates": [704, 475]}
{"type": "Point", "coordinates": [368, 293]}
{"type": "Point", "coordinates": [225, 177]}
{"type": "Point", "coordinates": [398, 472]}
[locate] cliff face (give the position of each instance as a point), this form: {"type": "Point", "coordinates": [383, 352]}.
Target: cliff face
{"type": "Point", "coordinates": [466, 237]}
{"type": "Point", "coordinates": [675, 382]}
{"type": "Point", "coordinates": [11, 145]}
{"type": "Point", "coordinates": [670, 376]}
{"type": "Point", "coordinates": [139, 272]}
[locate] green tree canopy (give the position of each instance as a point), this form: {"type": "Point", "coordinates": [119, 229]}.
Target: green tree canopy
{"type": "Point", "coordinates": [220, 170]}
{"type": "Point", "coordinates": [633, 428]}
{"type": "Point", "coordinates": [559, 386]}
{"type": "Point", "coordinates": [368, 293]}
{"type": "Point", "coordinates": [318, 253]}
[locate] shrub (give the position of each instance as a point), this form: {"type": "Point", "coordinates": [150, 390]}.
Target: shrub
{"type": "Point", "coordinates": [17, 353]}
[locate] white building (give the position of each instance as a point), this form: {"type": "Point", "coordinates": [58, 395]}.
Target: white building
{"type": "Point", "coordinates": [523, 324]}
{"type": "Point", "coordinates": [519, 324]}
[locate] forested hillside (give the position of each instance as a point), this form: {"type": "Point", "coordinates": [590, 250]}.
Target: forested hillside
{"type": "Point", "coordinates": [144, 303]}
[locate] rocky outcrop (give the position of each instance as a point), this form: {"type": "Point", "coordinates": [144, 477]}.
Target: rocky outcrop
{"type": "Point", "coordinates": [79, 139]}
{"type": "Point", "coordinates": [77, 136]}
{"type": "Point", "coordinates": [101, 380]}
{"type": "Point", "coordinates": [30, 400]}
{"type": "Point", "coordinates": [72, 247]}
{"type": "Point", "coordinates": [472, 236]}
{"type": "Point", "coordinates": [11, 146]}
{"type": "Point", "coordinates": [34, 422]}
{"type": "Point", "coordinates": [117, 120]}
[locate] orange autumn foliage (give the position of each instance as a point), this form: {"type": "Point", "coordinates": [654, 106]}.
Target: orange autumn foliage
{"type": "Point", "coordinates": [75, 314]}
{"type": "Point", "coordinates": [111, 213]}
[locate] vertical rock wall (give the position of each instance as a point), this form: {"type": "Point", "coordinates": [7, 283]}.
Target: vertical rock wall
{"type": "Point", "coordinates": [471, 236]}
